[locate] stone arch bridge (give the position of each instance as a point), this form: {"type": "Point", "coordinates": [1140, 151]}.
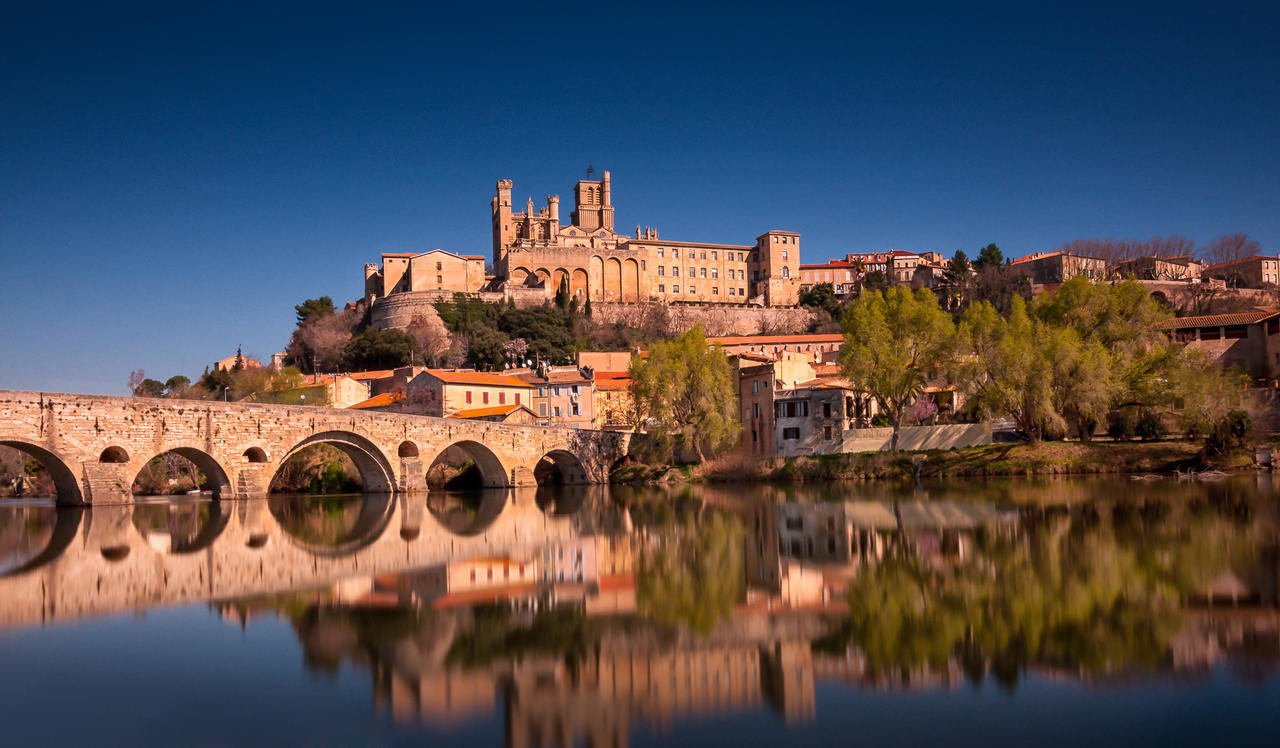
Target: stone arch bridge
{"type": "Point", "coordinates": [94, 446]}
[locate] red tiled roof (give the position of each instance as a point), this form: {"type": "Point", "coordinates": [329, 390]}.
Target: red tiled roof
{"type": "Point", "coordinates": [494, 410]}
{"type": "Point", "coordinates": [612, 381]}
{"type": "Point", "coordinates": [1241, 261]}
{"type": "Point", "coordinates": [834, 337]}
{"type": "Point", "coordinates": [1216, 320]}
{"type": "Point", "coordinates": [484, 378]}
{"type": "Point", "coordinates": [381, 374]}
{"type": "Point", "coordinates": [378, 401]}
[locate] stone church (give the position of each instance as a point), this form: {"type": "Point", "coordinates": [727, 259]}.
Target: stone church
{"type": "Point", "coordinates": [534, 255]}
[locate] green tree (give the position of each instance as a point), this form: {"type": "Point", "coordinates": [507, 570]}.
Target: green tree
{"type": "Point", "coordinates": [321, 307]}
{"type": "Point", "coordinates": [821, 296]}
{"type": "Point", "coordinates": [956, 280]}
{"type": "Point", "coordinates": [876, 280]}
{"type": "Point", "coordinates": [988, 256]}
{"type": "Point", "coordinates": [378, 349]}
{"type": "Point", "coordinates": [485, 350]}
{"type": "Point", "coordinates": [686, 392]}
{"type": "Point", "coordinates": [895, 342]}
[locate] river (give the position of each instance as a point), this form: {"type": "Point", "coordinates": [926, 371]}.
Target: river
{"type": "Point", "coordinates": [1048, 612]}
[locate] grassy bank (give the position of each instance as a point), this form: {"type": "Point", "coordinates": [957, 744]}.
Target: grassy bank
{"type": "Point", "coordinates": [1046, 458]}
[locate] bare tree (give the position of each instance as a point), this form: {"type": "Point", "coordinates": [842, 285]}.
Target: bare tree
{"type": "Point", "coordinates": [430, 337]}
{"type": "Point", "coordinates": [136, 378]}
{"type": "Point", "coordinates": [1231, 248]}
{"type": "Point", "coordinates": [325, 336]}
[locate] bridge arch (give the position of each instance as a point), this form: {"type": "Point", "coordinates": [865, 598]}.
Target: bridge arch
{"type": "Point", "coordinates": [560, 466]}
{"type": "Point", "coordinates": [376, 472]}
{"type": "Point", "coordinates": [65, 483]}
{"type": "Point", "coordinates": [255, 455]}
{"type": "Point", "coordinates": [117, 455]}
{"type": "Point", "coordinates": [493, 473]}
{"type": "Point", "coordinates": [361, 521]}
{"type": "Point", "coordinates": [407, 450]}
{"type": "Point", "coordinates": [219, 484]}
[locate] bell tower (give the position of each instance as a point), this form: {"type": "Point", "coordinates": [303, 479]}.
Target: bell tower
{"type": "Point", "coordinates": [593, 204]}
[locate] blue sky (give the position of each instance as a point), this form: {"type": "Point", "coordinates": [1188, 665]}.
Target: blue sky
{"type": "Point", "coordinates": [174, 180]}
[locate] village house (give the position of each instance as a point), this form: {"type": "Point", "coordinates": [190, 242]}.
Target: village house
{"type": "Point", "coordinates": [562, 396]}
{"type": "Point", "coordinates": [1059, 267]}
{"type": "Point", "coordinates": [614, 407]}
{"type": "Point", "coordinates": [437, 392]}
{"type": "Point", "coordinates": [1249, 341]}
{"type": "Point", "coordinates": [435, 270]}
{"type": "Point", "coordinates": [1251, 272]}
{"type": "Point", "coordinates": [1157, 268]}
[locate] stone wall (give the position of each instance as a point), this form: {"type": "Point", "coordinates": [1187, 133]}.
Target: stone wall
{"type": "Point", "coordinates": [914, 438]}
{"type": "Point", "coordinates": [716, 319]}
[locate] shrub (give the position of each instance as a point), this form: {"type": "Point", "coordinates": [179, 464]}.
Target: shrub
{"type": "Point", "coordinates": [1122, 425]}
{"type": "Point", "coordinates": [1229, 433]}
{"type": "Point", "coordinates": [1150, 426]}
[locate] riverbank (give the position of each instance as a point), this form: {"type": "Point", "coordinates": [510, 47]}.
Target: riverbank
{"type": "Point", "coordinates": [1045, 458]}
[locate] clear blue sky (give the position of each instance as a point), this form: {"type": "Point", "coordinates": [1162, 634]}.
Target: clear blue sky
{"type": "Point", "coordinates": [175, 180]}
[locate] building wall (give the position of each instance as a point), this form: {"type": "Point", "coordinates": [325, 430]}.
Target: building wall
{"type": "Point", "coordinates": [1253, 348]}
{"type": "Point", "coordinates": [430, 396]}
{"type": "Point", "coordinates": [1253, 272]}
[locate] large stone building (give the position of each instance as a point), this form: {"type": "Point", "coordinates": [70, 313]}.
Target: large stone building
{"type": "Point", "coordinates": [534, 255]}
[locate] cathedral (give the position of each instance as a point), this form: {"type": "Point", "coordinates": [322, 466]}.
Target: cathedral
{"type": "Point", "coordinates": [534, 255]}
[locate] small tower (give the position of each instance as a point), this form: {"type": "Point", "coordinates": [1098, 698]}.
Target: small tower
{"type": "Point", "coordinates": [503, 230]}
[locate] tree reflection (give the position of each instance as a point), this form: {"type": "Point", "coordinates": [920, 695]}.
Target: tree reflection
{"type": "Point", "coordinates": [1067, 591]}
{"type": "Point", "coordinates": [693, 575]}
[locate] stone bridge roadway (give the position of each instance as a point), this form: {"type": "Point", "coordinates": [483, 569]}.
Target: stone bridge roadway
{"type": "Point", "coordinates": [94, 446]}
{"type": "Point", "coordinates": [98, 561]}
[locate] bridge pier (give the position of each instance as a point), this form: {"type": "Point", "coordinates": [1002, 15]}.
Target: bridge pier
{"type": "Point", "coordinates": [413, 476]}
{"type": "Point", "coordinates": [252, 482]}
{"type": "Point", "coordinates": [107, 483]}
{"type": "Point", "coordinates": [522, 476]}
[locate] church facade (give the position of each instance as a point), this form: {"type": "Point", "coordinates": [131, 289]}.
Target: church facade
{"type": "Point", "coordinates": [534, 255]}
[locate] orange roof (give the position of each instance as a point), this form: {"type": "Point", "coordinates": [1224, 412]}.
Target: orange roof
{"type": "Point", "coordinates": [378, 401]}
{"type": "Point", "coordinates": [381, 374]}
{"type": "Point", "coordinates": [485, 378]}
{"type": "Point", "coordinates": [825, 383]}
{"type": "Point", "coordinates": [834, 337]}
{"type": "Point", "coordinates": [1251, 258]}
{"type": "Point", "coordinates": [494, 410]}
{"type": "Point", "coordinates": [826, 370]}
{"type": "Point", "coordinates": [753, 356]}
{"type": "Point", "coordinates": [1214, 320]}
{"type": "Point", "coordinates": [612, 381]}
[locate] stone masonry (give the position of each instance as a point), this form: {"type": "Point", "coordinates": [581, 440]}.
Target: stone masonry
{"type": "Point", "coordinates": [94, 446]}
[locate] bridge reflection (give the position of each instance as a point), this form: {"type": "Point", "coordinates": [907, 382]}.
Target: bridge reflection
{"type": "Point", "coordinates": [64, 562]}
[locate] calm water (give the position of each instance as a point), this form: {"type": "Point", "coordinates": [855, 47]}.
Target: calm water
{"type": "Point", "coordinates": [1058, 613]}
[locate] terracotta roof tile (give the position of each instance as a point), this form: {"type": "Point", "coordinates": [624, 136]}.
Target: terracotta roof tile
{"type": "Point", "coordinates": [378, 401]}
{"type": "Point", "coordinates": [495, 410]}
{"type": "Point", "coordinates": [1216, 320]}
{"type": "Point", "coordinates": [777, 339]}
{"type": "Point", "coordinates": [484, 378]}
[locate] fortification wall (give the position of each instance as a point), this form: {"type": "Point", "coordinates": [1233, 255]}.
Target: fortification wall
{"type": "Point", "coordinates": [716, 319]}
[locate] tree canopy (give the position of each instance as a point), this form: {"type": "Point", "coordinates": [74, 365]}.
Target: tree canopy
{"type": "Point", "coordinates": [686, 391]}
{"type": "Point", "coordinates": [895, 342]}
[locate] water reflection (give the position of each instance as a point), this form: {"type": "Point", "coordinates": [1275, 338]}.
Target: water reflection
{"type": "Point", "coordinates": [179, 525]}
{"type": "Point", "coordinates": [586, 614]}
{"type": "Point", "coordinates": [332, 524]}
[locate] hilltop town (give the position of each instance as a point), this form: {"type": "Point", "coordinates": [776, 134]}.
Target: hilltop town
{"type": "Point", "coordinates": [551, 327]}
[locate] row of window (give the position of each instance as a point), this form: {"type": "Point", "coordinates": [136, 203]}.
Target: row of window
{"type": "Point", "coordinates": [702, 272]}
{"type": "Point", "coordinates": [574, 410]}
{"type": "Point", "coordinates": [693, 290]}
{"type": "Point", "coordinates": [556, 391]}
{"type": "Point", "coordinates": [702, 254]}
{"type": "Point", "coordinates": [502, 398]}
{"type": "Point", "coordinates": [785, 239]}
